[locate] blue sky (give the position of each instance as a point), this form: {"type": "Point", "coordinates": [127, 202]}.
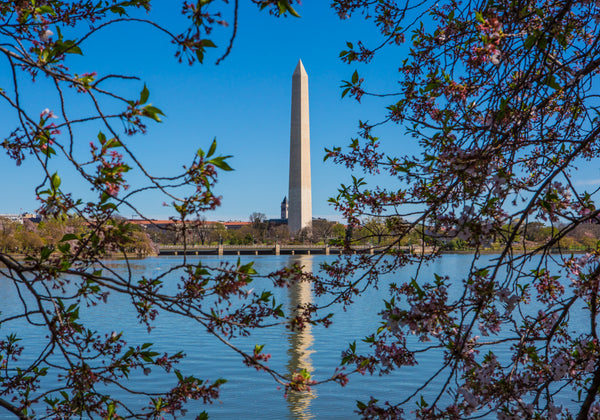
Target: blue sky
{"type": "Point", "coordinates": [244, 102]}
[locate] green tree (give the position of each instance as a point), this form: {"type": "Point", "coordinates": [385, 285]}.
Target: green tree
{"type": "Point", "coordinates": [338, 231]}
{"type": "Point", "coordinates": [8, 241]}
{"type": "Point", "coordinates": [28, 240]}
{"type": "Point", "coordinates": [538, 232]}
{"type": "Point", "coordinates": [200, 231]}
{"type": "Point", "coordinates": [140, 243]}
{"type": "Point", "coordinates": [374, 230]}
{"type": "Point", "coordinates": [278, 233]}
{"type": "Point", "coordinates": [259, 225]}
{"type": "Point", "coordinates": [218, 234]}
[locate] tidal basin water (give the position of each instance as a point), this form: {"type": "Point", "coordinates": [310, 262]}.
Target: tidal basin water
{"type": "Point", "coordinates": [251, 394]}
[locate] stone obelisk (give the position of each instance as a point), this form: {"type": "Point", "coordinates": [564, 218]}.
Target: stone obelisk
{"type": "Point", "coordinates": [300, 201]}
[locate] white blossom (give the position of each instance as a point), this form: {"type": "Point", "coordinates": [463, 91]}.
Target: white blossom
{"type": "Point", "coordinates": [46, 35]}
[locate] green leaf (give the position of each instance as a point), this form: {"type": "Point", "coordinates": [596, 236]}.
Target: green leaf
{"type": "Point", "coordinates": [48, 151]}
{"type": "Point", "coordinates": [420, 293]}
{"type": "Point", "coordinates": [114, 142]}
{"type": "Point", "coordinates": [144, 95]}
{"type": "Point", "coordinates": [66, 47]}
{"type": "Point", "coordinates": [64, 248]}
{"type": "Point", "coordinates": [45, 252]}
{"type": "Point", "coordinates": [212, 149]}
{"type": "Point", "coordinates": [431, 85]}
{"type": "Point", "coordinates": [354, 77]}
{"type": "Point", "coordinates": [200, 55]}
{"type": "Point", "coordinates": [281, 6]}
{"type": "Point", "coordinates": [551, 81]}
{"type": "Point", "coordinates": [479, 17]}
{"type": "Point", "coordinates": [247, 268]}
{"type": "Point", "coordinates": [220, 163]}
{"type": "Point", "coordinates": [69, 237]}
{"type": "Point", "coordinates": [530, 41]}
{"type": "Point", "coordinates": [45, 9]}
{"type": "Point", "coordinates": [290, 9]}
{"type": "Point", "coordinates": [118, 9]}
{"type": "Point", "coordinates": [55, 181]}
{"type": "Point", "coordinates": [152, 112]}
{"type": "Point", "coordinates": [208, 43]}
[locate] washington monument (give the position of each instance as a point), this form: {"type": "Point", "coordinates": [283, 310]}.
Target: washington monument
{"type": "Point", "coordinates": [300, 196]}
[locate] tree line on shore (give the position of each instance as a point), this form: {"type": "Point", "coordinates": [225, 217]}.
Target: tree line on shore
{"type": "Point", "coordinates": [377, 231]}
{"type": "Point", "coordinates": [29, 236]}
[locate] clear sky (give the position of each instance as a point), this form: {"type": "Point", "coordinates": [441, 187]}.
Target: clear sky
{"type": "Point", "coordinates": [244, 102]}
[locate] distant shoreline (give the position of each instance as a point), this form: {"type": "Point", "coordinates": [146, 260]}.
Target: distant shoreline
{"type": "Point", "coordinates": [255, 251]}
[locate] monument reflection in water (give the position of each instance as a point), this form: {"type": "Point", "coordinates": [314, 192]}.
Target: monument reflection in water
{"type": "Point", "coordinates": [301, 343]}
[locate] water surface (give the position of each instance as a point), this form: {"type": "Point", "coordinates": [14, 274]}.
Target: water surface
{"type": "Point", "coordinates": [250, 394]}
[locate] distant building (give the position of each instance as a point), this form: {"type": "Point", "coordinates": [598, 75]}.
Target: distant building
{"type": "Point", "coordinates": [283, 220]}
{"type": "Point", "coordinates": [19, 218]}
{"type": "Point", "coordinates": [165, 223]}
{"type": "Point", "coordinates": [284, 209]}
{"type": "Point", "coordinates": [235, 225]}
{"type": "Point", "coordinates": [32, 217]}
